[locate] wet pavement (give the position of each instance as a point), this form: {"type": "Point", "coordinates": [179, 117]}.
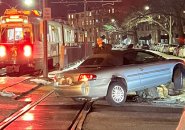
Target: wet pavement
{"type": "Point", "coordinates": [9, 106]}
{"type": "Point", "coordinates": [132, 116]}
{"type": "Point", "coordinates": [13, 87]}
{"type": "Point", "coordinates": [10, 89]}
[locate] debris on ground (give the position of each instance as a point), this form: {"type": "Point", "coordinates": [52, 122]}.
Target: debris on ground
{"type": "Point", "coordinates": [7, 94]}
{"type": "Point", "coordinates": [41, 81]}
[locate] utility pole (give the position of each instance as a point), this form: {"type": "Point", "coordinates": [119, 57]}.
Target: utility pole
{"type": "Point", "coordinates": [45, 47]}
{"type": "Point", "coordinates": [85, 29]}
{"type": "Point", "coordinates": [170, 31]}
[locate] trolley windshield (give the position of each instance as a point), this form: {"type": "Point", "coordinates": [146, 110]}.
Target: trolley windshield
{"type": "Point", "coordinates": [15, 34]}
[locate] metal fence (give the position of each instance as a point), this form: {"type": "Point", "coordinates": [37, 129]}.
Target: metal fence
{"type": "Point", "coordinates": [75, 53]}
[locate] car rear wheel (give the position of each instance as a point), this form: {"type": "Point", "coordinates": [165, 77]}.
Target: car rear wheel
{"type": "Point", "coordinates": [178, 79]}
{"type": "Point", "coordinates": [116, 95]}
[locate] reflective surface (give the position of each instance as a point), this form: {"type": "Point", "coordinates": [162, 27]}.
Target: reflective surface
{"type": "Point", "coordinates": [53, 113]}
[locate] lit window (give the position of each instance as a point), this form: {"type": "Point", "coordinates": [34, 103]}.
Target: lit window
{"type": "Point", "coordinates": [18, 33]}
{"type": "Point", "coordinates": [113, 10]}
{"type": "Point", "coordinates": [90, 13]}
{"type": "Point", "coordinates": [90, 22]}
{"type": "Point", "coordinates": [109, 11]}
{"type": "Point", "coordinates": [97, 30]}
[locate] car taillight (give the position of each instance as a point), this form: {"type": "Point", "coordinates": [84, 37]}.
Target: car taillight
{"type": "Point", "coordinates": [2, 51]}
{"type": "Point", "coordinates": [86, 77]}
{"type": "Point", "coordinates": [27, 50]}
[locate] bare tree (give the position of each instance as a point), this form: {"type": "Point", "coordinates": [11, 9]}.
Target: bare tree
{"type": "Point", "coordinates": [173, 9]}
{"type": "Point", "coordinates": [165, 14]}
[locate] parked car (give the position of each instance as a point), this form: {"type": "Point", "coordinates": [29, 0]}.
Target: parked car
{"type": "Point", "coordinates": [181, 51]}
{"type": "Point", "coordinates": [153, 47]}
{"type": "Point", "coordinates": [112, 75]}
{"type": "Point", "coordinates": [171, 49]}
{"type": "Point", "coordinates": [176, 50]}
{"type": "Point", "coordinates": [165, 48]}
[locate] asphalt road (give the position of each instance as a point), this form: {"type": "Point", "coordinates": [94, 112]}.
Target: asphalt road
{"type": "Point", "coordinates": [53, 113]}
{"type": "Point", "coordinates": [132, 116]}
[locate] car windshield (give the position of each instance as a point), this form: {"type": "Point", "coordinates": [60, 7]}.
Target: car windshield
{"type": "Point", "coordinates": [14, 34]}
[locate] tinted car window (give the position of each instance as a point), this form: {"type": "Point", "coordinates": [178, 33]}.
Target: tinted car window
{"type": "Point", "coordinates": [103, 60]}
{"type": "Point", "coordinates": [146, 57]}
{"type": "Point", "coordinates": [129, 58]}
{"type": "Point", "coordinates": [92, 61]}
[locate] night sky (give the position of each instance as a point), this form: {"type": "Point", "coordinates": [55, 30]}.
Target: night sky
{"type": "Point", "coordinates": [60, 10]}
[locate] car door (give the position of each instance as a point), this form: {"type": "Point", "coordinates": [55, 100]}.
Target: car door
{"type": "Point", "coordinates": [131, 71]}
{"type": "Point", "coordinates": [154, 70]}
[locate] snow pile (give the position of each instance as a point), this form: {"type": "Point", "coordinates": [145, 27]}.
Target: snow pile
{"type": "Point", "coordinates": [52, 74]}
{"type": "Point", "coordinates": [178, 100]}
{"type": "Point", "coordinates": [160, 92]}
{"type": "Point", "coordinates": [70, 67]}
{"type": "Point", "coordinates": [40, 81]}
{"type": "Point", "coordinates": [7, 94]}
{"type": "Point", "coordinates": [167, 99]}
{"type": "Point", "coordinates": [160, 96]}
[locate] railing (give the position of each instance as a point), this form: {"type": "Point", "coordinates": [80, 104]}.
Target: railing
{"type": "Point", "coordinates": [75, 53]}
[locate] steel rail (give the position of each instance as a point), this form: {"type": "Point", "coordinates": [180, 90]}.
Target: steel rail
{"type": "Point", "coordinates": [25, 109]}
{"type": "Point", "coordinates": [78, 122]}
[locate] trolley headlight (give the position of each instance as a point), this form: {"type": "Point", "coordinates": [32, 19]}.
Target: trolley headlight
{"type": "Point", "coordinates": [27, 50]}
{"type": "Point", "coordinates": [2, 51]}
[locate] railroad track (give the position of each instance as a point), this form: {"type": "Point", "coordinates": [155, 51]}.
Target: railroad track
{"type": "Point", "coordinates": [18, 74]}
{"type": "Point", "coordinates": [29, 72]}
{"type": "Point", "coordinates": [76, 122]}
{"type": "Point", "coordinates": [22, 111]}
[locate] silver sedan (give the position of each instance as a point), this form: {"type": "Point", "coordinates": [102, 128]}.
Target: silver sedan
{"type": "Point", "coordinates": [112, 75]}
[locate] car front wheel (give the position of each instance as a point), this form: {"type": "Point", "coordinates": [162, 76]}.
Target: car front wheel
{"type": "Point", "coordinates": [116, 95]}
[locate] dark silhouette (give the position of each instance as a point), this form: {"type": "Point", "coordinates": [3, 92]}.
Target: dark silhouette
{"type": "Point", "coordinates": [130, 46]}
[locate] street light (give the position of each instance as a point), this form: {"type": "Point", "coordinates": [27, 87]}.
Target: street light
{"type": "Point", "coordinates": [146, 7]}
{"type": "Point", "coordinates": [112, 20]}
{"type": "Point", "coordinates": [45, 18]}
{"type": "Point", "coordinates": [26, 2]}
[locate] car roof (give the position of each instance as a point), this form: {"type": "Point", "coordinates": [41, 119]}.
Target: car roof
{"type": "Point", "coordinates": [116, 52]}
{"type": "Point", "coordinates": [124, 51]}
